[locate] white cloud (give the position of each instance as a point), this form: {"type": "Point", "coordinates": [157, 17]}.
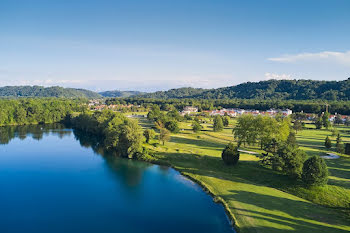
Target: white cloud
{"type": "Point", "coordinates": [328, 56]}
{"type": "Point", "coordinates": [277, 76]}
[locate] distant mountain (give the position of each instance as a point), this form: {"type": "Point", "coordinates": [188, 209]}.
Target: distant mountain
{"type": "Point", "coordinates": [117, 93]}
{"type": "Point", "coordinates": [184, 92]}
{"type": "Point", "coordinates": [39, 91]}
{"type": "Point", "coordinates": [270, 89]}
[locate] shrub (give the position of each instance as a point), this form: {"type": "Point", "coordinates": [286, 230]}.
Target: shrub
{"type": "Point", "coordinates": [230, 155]}
{"type": "Point", "coordinates": [315, 171]}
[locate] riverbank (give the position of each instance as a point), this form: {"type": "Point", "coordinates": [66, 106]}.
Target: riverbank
{"type": "Point", "coordinates": [253, 196]}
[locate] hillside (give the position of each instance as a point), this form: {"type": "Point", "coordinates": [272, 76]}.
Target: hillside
{"type": "Point", "coordinates": [39, 91]}
{"type": "Point", "coordinates": [184, 92]}
{"type": "Point", "coordinates": [117, 93]}
{"type": "Point", "coordinates": [271, 89]}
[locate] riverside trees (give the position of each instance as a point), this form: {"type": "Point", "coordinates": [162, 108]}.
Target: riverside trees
{"type": "Point", "coordinates": [118, 133]}
{"type": "Point", "coordinates": [34, 111]}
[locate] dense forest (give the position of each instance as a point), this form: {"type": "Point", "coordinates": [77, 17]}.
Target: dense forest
{"type": "Point", "coordinates": [266, 90]}
{"type": "Point", "coordinates": [184, 92]}
{"type": "Point", "coordinates": [121, 94]}
{"type": "Point", "coordinates": [39, 91]}
{"type": "Point", "coordinates": [37, 110]}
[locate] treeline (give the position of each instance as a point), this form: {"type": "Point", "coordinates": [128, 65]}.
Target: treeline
{"type": "Point", "coordinates": [37, 110]}
{"type": "Point", "coordinates": [117, 132]}
{"type": "Point", "coordinates": [265, 90]}
{"type": "Point", "coordinates": [312, 106]}
{"type": "Point", "coordinates": [39, 91]}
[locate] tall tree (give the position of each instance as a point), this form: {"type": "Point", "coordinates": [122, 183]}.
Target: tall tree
{"type": "Point", "coordinates": [328, 143]}
{"type": "Point", "coordinates": [340, 146]}
{"type": "Point", "coordinates": [164, 135]}
{"type": "Point", "coordinates": [218, 124]}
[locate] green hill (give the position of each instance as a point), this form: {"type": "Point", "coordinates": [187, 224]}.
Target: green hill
{"type": "Point", "coordinates": [117, 93]}
{"type": "Point", "coordinates": [39, 91]}
{"type": "Point", "coordinates": [184, 92]}
{"type": "Point", "coordinates": [270, 89]}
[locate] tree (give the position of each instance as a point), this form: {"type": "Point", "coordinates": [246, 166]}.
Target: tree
{"type": "Point", "coordinates": [289, 159]}
{"type": "Point", "coordinates": [164, 135]}
{"type": "Point", "coordinates": [347, 121]}
{"type": "Point", "coordinates": [291, 140]}
{"type": "Point", "coordinates": [245, 130]}
{"type": "Point", "coordinates": [218, 124]}
{"type": "Point", "coordinates": [196, 126]}
{"type": "Point", "coordinates": [338, 119]}
{"type": "Point", "coordinates": [173, 126]}
{"type": "Point", "coordinates": [226, 120]}
{"type": "Point", "coordinates": [315, 171]}
{"type": "Point", "coordinates": [130, 138]}
{"type": "Point", "coordinates": [325, 120]}
{"type": "Point", "coordinates": [149, 134]}
{"type": "Point", "coordinates": [230, 155]}
{"type": "Point", "coordinates": [319, 123]}
{"type": "Point", "coordinates": [297, 126]}
{"type": "Point", "coordinates": [340, 146]}
{"type": "Point", "coordinates": [328, 143]}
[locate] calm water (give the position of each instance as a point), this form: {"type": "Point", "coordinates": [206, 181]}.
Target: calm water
{"type": "Point", "coordinates": [53, 180]}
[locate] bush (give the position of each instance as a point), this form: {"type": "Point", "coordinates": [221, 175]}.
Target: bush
{"type": "Point", "coordinates": [230, 155]}
{"type": "Point", "coordinates": [315, 171]}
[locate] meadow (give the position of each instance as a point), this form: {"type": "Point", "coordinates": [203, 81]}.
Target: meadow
{"type": "Point", "coordinates": [259, 199]}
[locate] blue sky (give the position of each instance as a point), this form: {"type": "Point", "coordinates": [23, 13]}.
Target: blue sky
{"type": "Point", "coordinates": [157, 45]}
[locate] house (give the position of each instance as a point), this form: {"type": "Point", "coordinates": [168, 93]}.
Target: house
{"type": "Point", "coordinates": [287, 112]}
{"type": "Point", "coordinates": [189, 110]}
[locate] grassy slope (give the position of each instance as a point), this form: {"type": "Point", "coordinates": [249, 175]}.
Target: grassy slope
{"type": "Point", "coordinates": [251, 192]}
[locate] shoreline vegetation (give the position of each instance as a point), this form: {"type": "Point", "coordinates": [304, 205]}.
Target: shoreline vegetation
{"type": "Point", "coordinates": [256, 198]}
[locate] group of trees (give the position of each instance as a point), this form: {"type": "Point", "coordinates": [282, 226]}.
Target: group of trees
{"type": "Point", "coordinates": [39, 110]}
{"type": "Point", "coordinates": [290, 160]}
{"type": "Point", "coordinates": [117, 132]}
{"type": "Point", "coordinates": [265, 130]}
{"type": "Point", "coordinates": [339, 144]}
{"type": "Point", "coordinates": [167, 120]}
{"type": "Point", "coordinates": [283, 155]}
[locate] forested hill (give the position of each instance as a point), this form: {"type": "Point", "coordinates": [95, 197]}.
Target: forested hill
{"type": "Point", "coordinates": [39, 91]}
{"type": "Point", "coordinates": [271, 89]}
{"type": "Point", "coordinates": [117, 93]}
{"type": "Point", "coordinates": [184, 92]}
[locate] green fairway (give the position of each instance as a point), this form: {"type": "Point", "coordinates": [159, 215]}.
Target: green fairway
{"type": "Point", "coordinates": [259, 199]}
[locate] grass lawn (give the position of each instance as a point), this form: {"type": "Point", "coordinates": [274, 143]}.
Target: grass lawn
{"type": "Point", "coordinates": [254, 195]}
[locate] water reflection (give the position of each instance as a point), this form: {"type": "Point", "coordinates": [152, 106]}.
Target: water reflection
{"type": "Point", "coordinates": [129, 172]}
{"type": "Point", "coordinates": [7, 133]}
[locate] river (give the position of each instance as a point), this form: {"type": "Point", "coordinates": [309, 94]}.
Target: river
{"type": "Point", "coordinates": [53, 179]}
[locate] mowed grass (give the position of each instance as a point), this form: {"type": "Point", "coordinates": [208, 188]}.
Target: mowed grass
{"type": "Point", "coordinates": [312, 140]}
{"type": "Point", "coordinates": [253, 194]}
